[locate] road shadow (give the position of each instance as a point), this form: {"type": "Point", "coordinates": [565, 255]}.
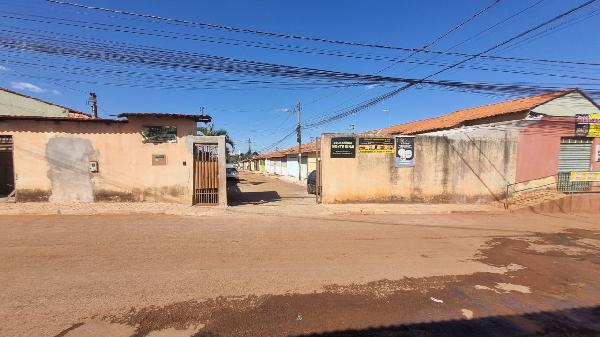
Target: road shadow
{"type": "Point", "coordinates": [236, 197]}
{"type": "Point", "coordinates": [245, 181]}
{"type": "Point", "coordinates": [583, 321]}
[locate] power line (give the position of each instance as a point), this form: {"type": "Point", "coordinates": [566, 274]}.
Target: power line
{"type": "Point", "coordinates": [375, 100]}
{"type": "Point", "coordinates": [299, 37]}
{"type": "Point", "coordinates": [164, 59]}
{"type": "Point", "coordinates": [482, 32]}
{"type": "Point", "coordinates": [433, 42]}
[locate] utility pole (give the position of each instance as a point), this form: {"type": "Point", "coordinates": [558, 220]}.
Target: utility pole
{"type": "Point", "coordinates": [299, 135]}
{"type": "Point", "coordinates": [249, 146]}
{"type": "Point", "coordinates": [352, 128]}
{"type": "Point", "coordinates": [93, 100]}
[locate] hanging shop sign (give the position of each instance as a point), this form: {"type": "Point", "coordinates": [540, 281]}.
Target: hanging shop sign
{"type": "Point", "coordinates": [584, 176]}
{"type": "Point", "coordinates": [587, 125]}
{"type": "Point", "coordinates": [405, 151]}
{"type": "Point", "coordinates": [376, 145]}
{"type": "Point", "coordinates": [343, 147]}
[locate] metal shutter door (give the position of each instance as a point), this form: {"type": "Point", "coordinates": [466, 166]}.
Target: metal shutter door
{"type": "Point", "coordinates": [574, 157]}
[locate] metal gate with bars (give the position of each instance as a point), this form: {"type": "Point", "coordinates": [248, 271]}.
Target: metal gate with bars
{"type": "Point", "coordinates": [206, 174]}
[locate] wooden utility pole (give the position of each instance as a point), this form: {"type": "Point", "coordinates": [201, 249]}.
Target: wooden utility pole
{"type": "Point", "coordinates": [299, 135]}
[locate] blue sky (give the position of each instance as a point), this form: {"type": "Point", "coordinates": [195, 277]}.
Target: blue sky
{"type": "Point", "coordinates": [265, 114]}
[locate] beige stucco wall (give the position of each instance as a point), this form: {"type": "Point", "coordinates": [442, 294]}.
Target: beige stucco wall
{"type": "Point", "coordinates": [446, 170]}
{"type": "Point", "coordinates": [51, 161]}
{"type": "Point", "coordinates": [15, 105]}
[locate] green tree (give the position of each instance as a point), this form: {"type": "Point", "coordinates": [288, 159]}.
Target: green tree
{"type": "Point", "coordinates": [209, 130]}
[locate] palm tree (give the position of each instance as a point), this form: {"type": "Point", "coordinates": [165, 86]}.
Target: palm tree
{"type": "Point", "coordinates": [209, 130]}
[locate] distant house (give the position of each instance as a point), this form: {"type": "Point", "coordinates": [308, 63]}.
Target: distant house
{"type": "Point", "coordinates": [52, 153]}
{"type": "Point", "coordinates": [16, 104]}
{"type": "Point", "coordinates": [285, 162]}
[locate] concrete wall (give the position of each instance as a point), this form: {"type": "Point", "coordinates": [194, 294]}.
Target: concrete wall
{"type": "Point", "coordinates": [446, 170]}
{"type": "Point", "coordinates": [51, 161]}
{"type": "Point", "coordinates": [16, 105]}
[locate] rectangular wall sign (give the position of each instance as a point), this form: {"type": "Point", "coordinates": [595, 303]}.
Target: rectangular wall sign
{"type": "Point", "coordinates": [343, 147]}
{"type": "Point", "coordinates": [375, 145]}
{"type": "Point", "coordinates": [405, 151]}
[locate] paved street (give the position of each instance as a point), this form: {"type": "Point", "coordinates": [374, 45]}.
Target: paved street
{"type": "Point", "coordinates": [239, 273]}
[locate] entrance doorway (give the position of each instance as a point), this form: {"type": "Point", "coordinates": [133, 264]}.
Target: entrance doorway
{"type": "Point", "coordinates": [7, 173]}
{"type": "Point", "coordinates": [206, 174]}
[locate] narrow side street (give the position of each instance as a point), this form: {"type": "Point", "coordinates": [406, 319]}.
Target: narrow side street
{"type": "Point", "coordinates": [257, 189]}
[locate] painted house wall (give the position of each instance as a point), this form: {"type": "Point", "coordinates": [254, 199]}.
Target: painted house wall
{"type": "Point", "coordinates": [276, 165]}
{"type": "Point", "coordinates": [539, 146]}
{"type": "Point", "coordinates": [51, 161]}
{"type": "Point", "coordinates": [312, 161]}
{"type": "Point", "coordinates": [596, 155]}
{"type": "Point", "coordinates": [304, 166]}
{"type": "Point", "coordinates": [16, 105]}
{"type": "Point", "coordinates": [284, 169]}
{"type": "Point", "coordinates": [269, 166]}
{"type": "Point", "coordinates": [539, 141]}
{"type": "Point", "coordinates": [292, 165]}
{"type": "Point", "coordinates": [568, 105]}
{"type": "Point", "coordinates": [446, 170]}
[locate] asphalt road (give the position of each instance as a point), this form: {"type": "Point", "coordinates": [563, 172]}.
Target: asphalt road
{"type": "Point", "coordinates": [244, 273]}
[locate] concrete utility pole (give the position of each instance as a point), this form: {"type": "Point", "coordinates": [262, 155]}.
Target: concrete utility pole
{"type": "Point", "coordinates": [352, 128]}
{"type": "Point", "coordinates": [299, 134]}
{"type": "Point", "coordinates": [93, 100]}
{"type": "Point", "coordinates": [249, 146]}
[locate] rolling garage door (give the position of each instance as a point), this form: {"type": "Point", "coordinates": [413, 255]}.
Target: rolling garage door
{"type": "Point", "coordinates": [575, 155]}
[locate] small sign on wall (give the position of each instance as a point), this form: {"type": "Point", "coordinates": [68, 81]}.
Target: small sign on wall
{"type": "Point", "coordinates": [375, 145]}
{"type": "Point", "coordinates": [405, 151]}
{"type": "Point", "coordinates": [343, 147]}
{"type": "Point", "coordinates": [584, 176]}
{"type": "Point", "coordinates": [587, 125]}
{"type": "Point", "coordinates": [159, 159]}
{"type": "Point", "coordinates": [93, 166]}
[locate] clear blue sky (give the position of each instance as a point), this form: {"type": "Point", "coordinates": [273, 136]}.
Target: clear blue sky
{"type": "Point", "coordinates": [265, 115]}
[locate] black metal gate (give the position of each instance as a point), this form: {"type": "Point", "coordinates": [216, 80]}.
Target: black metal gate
{"type": "Point", "coordinates": [206, 174]}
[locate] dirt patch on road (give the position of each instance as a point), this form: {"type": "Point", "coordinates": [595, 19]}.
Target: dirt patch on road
{"type": "Point", "coordinates": [554, 293]}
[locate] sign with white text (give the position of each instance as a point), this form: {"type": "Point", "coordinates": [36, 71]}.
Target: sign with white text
{"type": "Point", "coordinates": [343, 147]}
{"type": "Point", "coordinates": [405, 151]}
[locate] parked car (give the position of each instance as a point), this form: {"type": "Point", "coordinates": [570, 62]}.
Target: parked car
{"type": "Point", "coordinates": [232, 173]}
{"type": "Point", "coordinates": [311, 182]}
